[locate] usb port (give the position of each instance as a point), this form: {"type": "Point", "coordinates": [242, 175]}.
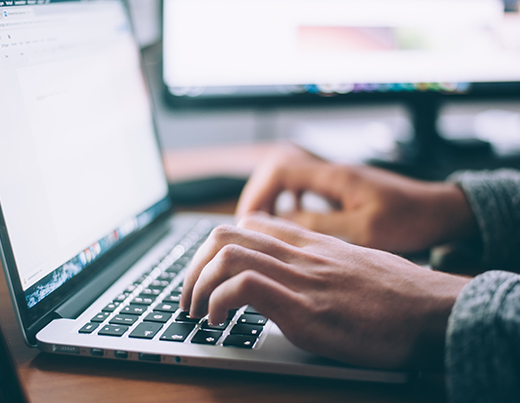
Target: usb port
{"type": "Point", "coordinates": [150, 357]}
{"type": "Point", "coordinates": [121, 354]}
{"type": "Point", "coordinates": [96, 352]}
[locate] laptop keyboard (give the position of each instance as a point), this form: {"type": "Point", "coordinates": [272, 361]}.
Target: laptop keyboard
{"type": "Point", "coordinates": [149, 307]}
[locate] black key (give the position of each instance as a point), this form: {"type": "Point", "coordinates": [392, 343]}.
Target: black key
{"type": "Point", "coordinates": [234, 340]}
{"type": "Point", "coordinates": [167, 276]}
{"type": "Point", "coordinates": [142, 301]}
{"type": "Point", "coordinates": [120, 298]}
{"type": "Point", "coordinates": [130, 289]}
{"type": "Point", "coordinates": [89, 328]}
{"type": "Point", "coordinates": [122, 319]}
{"type": "Point", "coordinates": [111, 307]}
{"type": "Point", "coordinates": [173, 297]}
{"type": "Point", "coordinates": [206, 337]}
{"type": "Point", "coordinates": [159, 284]}
{"type": "Point", "coordinates": [177, 332]}
{"type": "Point", "coordinates": [247, 330]}
{"type": "Point", "coordinates": [183, 261]}
{"type": "Point", "coordinates": [149, 296]}
{"type": "Point", "coordinates": [150, 292]}
{"type": "Point", "coordinates": [161, 317]}
{"type": "Point", "coordinates": [146, 330]}
{"type": "Point", "coordinates": [100, 317]}
{"type": "Point", "coordinates": [231, 313]}
{"type": "Point", "coordinates": [134, 309]}
{"type": "Point", "coordinates": [252, 319]}
{"type": "Point", "coordinates": [220, 326]}
{"type": "Point", "coordinates": [250, 309]}
{"type": "Point", "coordinates": [174, 268]}
{"type": "Point", "coordinates": [169, 307]}
{"type": "Point", "coordinates": [113, 330]}
{"type": "Point", "coordinates": [185, 317]}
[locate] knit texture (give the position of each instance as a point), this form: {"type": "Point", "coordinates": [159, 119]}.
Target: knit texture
{"type": "Point", "coordinates": [483, 341]}
{"type": "Point", "coordinates": [494, 198]}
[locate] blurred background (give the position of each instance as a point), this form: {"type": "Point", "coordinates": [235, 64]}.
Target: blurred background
{"type": "Point", "coordinates": [457, 107]}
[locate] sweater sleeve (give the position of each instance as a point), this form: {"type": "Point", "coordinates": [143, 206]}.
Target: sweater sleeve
{"type": "Point", "coordinates": [483, 341]}
{"type": "Point", "coordinates": [494, 198]}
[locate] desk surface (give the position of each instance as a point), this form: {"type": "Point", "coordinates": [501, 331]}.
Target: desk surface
{"type": "Point", "coordinates": [56, 379]}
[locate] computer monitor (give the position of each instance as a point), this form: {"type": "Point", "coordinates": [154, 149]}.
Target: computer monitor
{"type": "Point", "coordinates": [279, 52]}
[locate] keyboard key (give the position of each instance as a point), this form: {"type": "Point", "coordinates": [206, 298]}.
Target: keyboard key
{"type": "Point", "coordinates": [142, 301]}
{"type": "Point", "coordinates": [159, 284]}
{"type": "Point", "coordinates": [235, 340]}
{"type": "Point", "coordinates": [206, 337]}
{"type": "Point", "coordinates": [169, 307]}
{"type": "Point", "coordinates": [167, 276]}
{"type": "Point", "coordinates": [150, 292]}
{"type": "Point", "coordinates": [134, 309]}
{"type": "Point", "coordinates": [130, 289]}
{"type": "Point", "coordinates": [89, 328]}
{"type": "Point", "coordinates": [252, 319]}
{"type": "Point", "coordinates": [113, 330]}
{"type": "Point", "coordinates": [247, 330]}
{"type": "Point", "coordinates": [177, 332]}
{"type": "Point", "coordinates": [250, 309]}
{"type": "Point", "coordinates": [161, 317]}
{"type": "Point", "coordinates": [185, 317]}
{"type": "Point", "coordinates": [173, 297]}
{"type": "Point", "coordinates": [122, 319]}
{"type": "Point", "coordinates": [174, 268]}
{"type": "Point", "coordinates": [111, 307]}
{"type": "Point", "coordinates": [146, 330]}
{"type": "Point", "coordinates": [220, 326]}
{"type": "Point", "coordinates": [231, 314]}
{"type": "Point", "coordinates": [120, 298]}
{"type": "Point", "coordinates": [100, 317]}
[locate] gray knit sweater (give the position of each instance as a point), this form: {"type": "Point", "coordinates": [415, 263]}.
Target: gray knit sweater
{"type": "Point", "coordinates": [483, 336]}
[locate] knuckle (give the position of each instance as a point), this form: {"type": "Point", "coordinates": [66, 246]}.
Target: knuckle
{"type": "Point", "coordinates": [251, 219]}
{"type": "Point", "coordinates": [229, 254]}
{"type": "Point", "coordinates": [222, 233]}
{"type": "Point", "coordinates": [247, 282]}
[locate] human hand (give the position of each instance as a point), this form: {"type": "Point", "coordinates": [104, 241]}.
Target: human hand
{"type": "Point", "coordinates": [373, 207]}
{"type": "Point", "coordinates": [357, 305]}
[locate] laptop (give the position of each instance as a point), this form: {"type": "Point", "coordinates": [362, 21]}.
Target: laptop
{"type": "Point", "coordinates": [92, 253]}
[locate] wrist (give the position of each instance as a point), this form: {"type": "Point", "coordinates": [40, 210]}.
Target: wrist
{"type": "Point", "coordinates": [443, 291]}
{"type": "Point", "coordinates": [450, 208]}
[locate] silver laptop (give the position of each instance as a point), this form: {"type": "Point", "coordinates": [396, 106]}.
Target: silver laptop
{"type": "Point", "coordinates": [92, 253]}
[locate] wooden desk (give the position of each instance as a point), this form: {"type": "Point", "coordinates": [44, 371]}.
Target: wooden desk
{"type": "Point", "coordinates": [56, 379]}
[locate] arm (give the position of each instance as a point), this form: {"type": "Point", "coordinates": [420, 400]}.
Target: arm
{"type": "Point", "coordinates": [349, 303]}
{"type": "Point", "coordinates": [494, 198]}
{"type": "Point", "coordinates": [482, 353]}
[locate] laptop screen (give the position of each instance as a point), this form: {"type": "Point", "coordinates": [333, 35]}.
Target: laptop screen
{"type": "Point", "coordinates": [80, 167]}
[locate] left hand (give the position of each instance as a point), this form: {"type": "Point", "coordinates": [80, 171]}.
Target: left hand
{"type": "Point", "coordinates": [349, 303]}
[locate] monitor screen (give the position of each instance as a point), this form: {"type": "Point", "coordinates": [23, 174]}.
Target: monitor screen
{"type": "Point", "coordinates": [80, 167]}
{"type": "Point", "coordinates": [283, 48]}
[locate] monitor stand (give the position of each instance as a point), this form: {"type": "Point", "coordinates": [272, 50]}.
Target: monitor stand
{"type": "Point", "coordinates": [430, 156]}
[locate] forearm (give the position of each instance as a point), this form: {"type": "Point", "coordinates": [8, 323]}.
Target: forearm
{"type": "Point", "coordinates": [482, 355]}
{"type": "Point", "coordinates": [494, 198]}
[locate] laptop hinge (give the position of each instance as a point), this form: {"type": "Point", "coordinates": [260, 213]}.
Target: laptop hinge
{"type": "Point", "coordinates": [82, 299]}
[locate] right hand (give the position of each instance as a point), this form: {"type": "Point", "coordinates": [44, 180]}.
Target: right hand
{"type": "Point", "coordinates": [373, 207]}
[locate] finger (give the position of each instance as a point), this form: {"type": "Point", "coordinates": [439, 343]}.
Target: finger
{"type": "Point", "coordinates": [282, 229]}
{"type": "Point", "coordinates": [263, 188]}
{"type": "Point", "coordinates": [231, 261]}
{"type": "Point", "coordinates": [230, 235]}
{"type": "Point", "coordinates": [269, 298]}
{"type": "Point", "coordinates": [350, 227]}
